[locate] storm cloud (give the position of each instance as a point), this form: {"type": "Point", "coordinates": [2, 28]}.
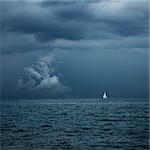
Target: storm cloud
{"type": "Point", "coordinates": [41, 78]}
{"type": "Point", "coordinates": [71, 25]}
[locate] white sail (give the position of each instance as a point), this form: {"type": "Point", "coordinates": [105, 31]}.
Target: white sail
{"type": "Point", "coordinates": [104, 95]}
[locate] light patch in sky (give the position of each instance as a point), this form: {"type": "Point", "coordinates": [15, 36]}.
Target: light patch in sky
{"type": "Point", "coordinates": [41, 77]}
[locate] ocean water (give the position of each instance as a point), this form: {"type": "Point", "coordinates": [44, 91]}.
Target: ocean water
{"type": "Point", "coordinates": [87, 124]}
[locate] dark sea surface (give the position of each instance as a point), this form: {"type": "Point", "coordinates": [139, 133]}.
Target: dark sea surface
{"type": "Point", "coordinates": [77, 124]}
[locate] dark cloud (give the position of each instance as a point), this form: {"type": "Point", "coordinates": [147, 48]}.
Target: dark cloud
{"type": "Point", "coordinates": [30, 25]}
{"type": "Point", "coordinates": [77, 11]}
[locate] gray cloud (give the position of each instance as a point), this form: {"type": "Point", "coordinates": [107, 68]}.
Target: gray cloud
{"type": "Point", "coordinates": [41, 79]}
{"type": "Point", "coordinates": [31, 26]}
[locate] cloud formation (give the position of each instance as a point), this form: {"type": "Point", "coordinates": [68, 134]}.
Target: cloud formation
{"type": "Point", "coordinates": [48, 25]}
{"type": "Point", "coordinates": [41, 77]}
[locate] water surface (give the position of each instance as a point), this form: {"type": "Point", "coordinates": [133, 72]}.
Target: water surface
{"type": "Point", "coordinates": [77, 124]}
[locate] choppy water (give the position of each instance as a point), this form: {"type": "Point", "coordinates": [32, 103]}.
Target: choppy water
{"type": "Point", "coordinates": [113, 124]}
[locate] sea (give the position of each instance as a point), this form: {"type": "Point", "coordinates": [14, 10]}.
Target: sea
{"type": "Point", "coordinates": [75, 124]}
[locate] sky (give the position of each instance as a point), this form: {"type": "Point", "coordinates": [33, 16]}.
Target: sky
{"type": "Point", "coordinates": [74, 49]}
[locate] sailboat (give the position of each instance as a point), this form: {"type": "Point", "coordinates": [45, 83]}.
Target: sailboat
{"type": "Point", "coordinates": [104, 95]}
